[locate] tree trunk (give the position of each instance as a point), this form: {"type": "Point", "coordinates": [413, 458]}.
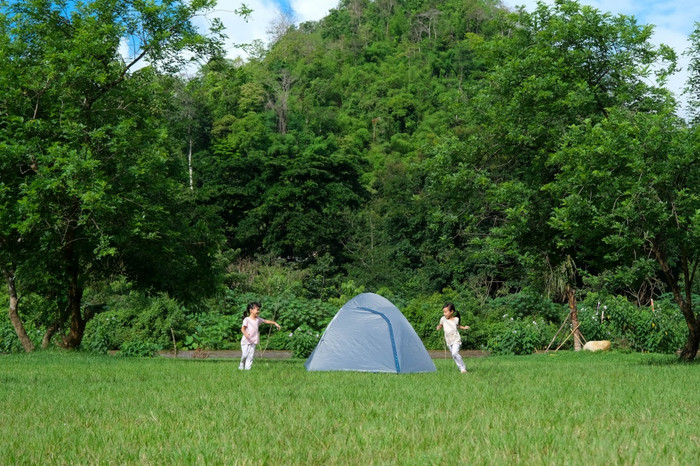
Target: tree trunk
{"type": "Point", "coordinates": [573, 309]}
{"type": "Point", "coordinates": [77, 323]}
{"type": "Point", "coordinates": [75, 296]}
{"type": "Point", "coordinates": [14, 313]}
{"type": "Point", "coordinates": [690, 349]}
{"type": "Point", "coordinates": [46, 341]}
{"type": "Point", "coordinates": [280, 103]}
{"type": "Point", "coordinates": [189, 157]}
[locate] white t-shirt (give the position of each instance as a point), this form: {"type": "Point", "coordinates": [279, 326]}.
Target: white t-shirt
{"type": "Point", "coordinates": [251, 326]}
{"type": "Point", "coordinates": [451, 333]}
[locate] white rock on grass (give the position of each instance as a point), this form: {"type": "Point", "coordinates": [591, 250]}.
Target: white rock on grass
{"type": "Point", "coordinates": [600, 345]}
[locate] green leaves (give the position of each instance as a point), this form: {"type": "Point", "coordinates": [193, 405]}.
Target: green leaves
{"type": "Point", "coordinates": [90, 162]}
{"type": "Point", "coordinates": [645, 208]}
{"type": "Point", "coordinates": [290, 200]}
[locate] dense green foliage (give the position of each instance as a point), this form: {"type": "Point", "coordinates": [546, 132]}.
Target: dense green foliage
{"type": "Point", "coordinates": [514, 324]}
{"type": "Point", "coordinates": [91, 186]}
{"type": "Point", "coordinates": [428, 151]}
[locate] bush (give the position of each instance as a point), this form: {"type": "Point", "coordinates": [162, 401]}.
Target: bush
{"type": "Point", "coordinates": [293, 312]}
{"type": "Point", "coordinates": [303, 341]}
{"type": "Point", "coordinates": [496, 319]}
{"type": "Point", "coordinates": [487, 320]}
{"type": "Point", "coordinates": [9, 342]}
{"type": "Point", "coordinates": [104, 332]}
{"type": "Point", "coordinates": [213, 331]}
{"type": "Point", "coordinates": [512, 324]}
{"type": "Point", "coordinates": [139, 349]}
{"type": "Point", "coordinates": [662, 330]}
{"type": "Point", "coordinates": [136, 318]}
{"type": "Point", "coordinates": [527, 304]}
{"type": "Point", "coordinates": [517, 336]}
{"type": "Point", "coordinates": [288, 309]}
{"type": "Point", "coordinates": [423, 313]}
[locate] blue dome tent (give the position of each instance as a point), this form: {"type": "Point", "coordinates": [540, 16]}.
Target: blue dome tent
{"type": "Point", "coordinates": [370, 334]}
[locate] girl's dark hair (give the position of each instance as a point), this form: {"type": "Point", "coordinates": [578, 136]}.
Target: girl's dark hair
{"type": "Point", "coordinates": [451, 307]}
{"type": "Point", "coordinates": [251, 305]}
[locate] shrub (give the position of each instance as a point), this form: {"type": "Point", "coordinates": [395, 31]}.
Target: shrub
{"type": "Point", "coordinates": [627, 325]}
{"type": "Point", "coordinates": [9, 342]}
{"type": "Point", "coordinates": [424, 312]}
{"type": "Point", "coordinates": [512, 324]}
{"type": "Point", "coordinates": [136, 317]}
{"type": "Point", "coordinates": [289, 310]}
{"type": "Point", "coordinates": [156, 319]}
{"type": "Point", "coordinates": [303, 341]}
{"type": "Point", "coordinates": [517, 336]}
{"type": "Point", "coordinates": [213, 331]}
{"type": "Point", "coordinates": [104, 332]}
{"type": "Point", "coordinates": [266, 276]}
{"type": "Point", "coordinates": [139, 349]}
{"type": "Point", "coordinates": [293, 312]}
{"type": "Point", "coordinates": [527, 304]}
{"type": "Point", "coordinates": [192, 342]}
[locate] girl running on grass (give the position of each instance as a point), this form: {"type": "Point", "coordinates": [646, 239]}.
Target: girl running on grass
{"type": "Point", "coordinates": [449, 322]}
{"type": "Point", "coordinates": [251, 337]}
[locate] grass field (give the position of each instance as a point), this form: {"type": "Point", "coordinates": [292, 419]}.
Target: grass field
{"type": "Point", "coordinates": [563, 408]}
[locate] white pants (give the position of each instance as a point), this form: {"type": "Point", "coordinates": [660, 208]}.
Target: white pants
{"type": "Point", "coordinates": [247, 353]}
{"type": "Point", "coordinates": [454, 350]}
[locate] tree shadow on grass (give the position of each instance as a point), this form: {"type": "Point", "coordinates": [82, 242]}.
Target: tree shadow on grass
{"type": "Point", "coordinates": [668, 361]}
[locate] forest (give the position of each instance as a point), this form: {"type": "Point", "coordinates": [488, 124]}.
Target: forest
{"type": "Point", "coordinates": [531, 167]}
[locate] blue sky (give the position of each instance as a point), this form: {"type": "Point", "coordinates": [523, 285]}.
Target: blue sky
{"type": "Point", "coordinates": [285, 6]}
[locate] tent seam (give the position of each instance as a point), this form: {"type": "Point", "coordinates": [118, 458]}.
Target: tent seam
{"type": "Point", "coordinates": [391, 335]}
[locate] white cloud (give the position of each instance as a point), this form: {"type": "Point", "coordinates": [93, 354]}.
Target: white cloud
{"type": "Point", "coordinates": [237, 29]}
{"type": "Point", "coordinates": [312, 10]}
{"type": "Point", "coordinates": [264, 13]}
{"type": "Point", "coordinates": [128, 51]}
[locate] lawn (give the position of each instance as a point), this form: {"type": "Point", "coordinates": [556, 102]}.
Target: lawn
{"type": "Point", "coordinates": [563, 408]}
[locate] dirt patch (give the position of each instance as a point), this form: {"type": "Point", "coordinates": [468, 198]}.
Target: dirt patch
{"type": "Point", "coordinates": [442, 354]}
{"type": "Point", "coordinates": [224, 354]}
{"type": "Point", "coordinates": [277, 354]}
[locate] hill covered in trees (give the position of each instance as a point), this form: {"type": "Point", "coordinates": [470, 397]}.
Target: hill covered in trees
{"type": "Point", "coordinates": [426, 150]}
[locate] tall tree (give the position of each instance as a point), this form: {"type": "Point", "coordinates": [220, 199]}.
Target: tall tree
{"type": "Point", "coordinates": [96, 190]}
{"type": "Point", "coordinates": [633, 179]}
{"type": "Point", "coordinates": [559, 66]}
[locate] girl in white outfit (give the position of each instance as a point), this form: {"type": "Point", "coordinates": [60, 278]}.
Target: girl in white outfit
{"type": "Point", "coordinates": [251, 336]}
{"type": "Point", "coordinates": [449, 322]}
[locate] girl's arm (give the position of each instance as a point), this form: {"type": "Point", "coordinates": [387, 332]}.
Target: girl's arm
{"type": "Point", "coordinates": [464, 327]}
{"type": "Point", "coordinates": [272, 322]}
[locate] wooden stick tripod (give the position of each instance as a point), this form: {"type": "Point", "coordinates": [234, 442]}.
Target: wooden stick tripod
{"type": "Point", "coordinates": [573, 331]}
